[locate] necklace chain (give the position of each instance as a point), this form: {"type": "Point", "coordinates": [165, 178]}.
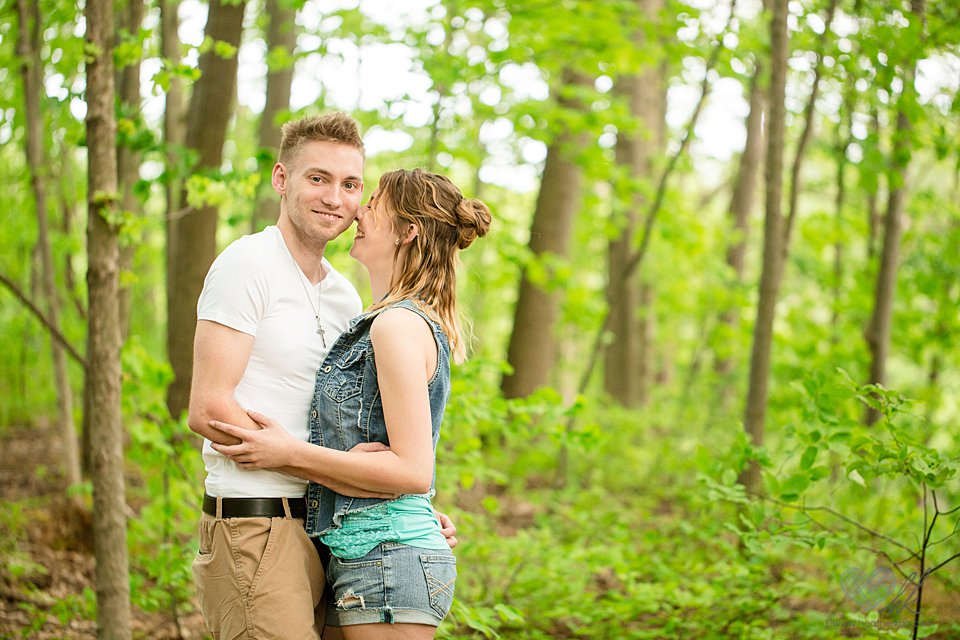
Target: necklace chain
{"type": "Point", "coordinates": [315, 309]}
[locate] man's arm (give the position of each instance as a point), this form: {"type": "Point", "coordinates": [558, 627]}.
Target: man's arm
{"type": "Point", "coordinates": [220, 356]}
{"type": "Point", "coordinates": [402, 344]}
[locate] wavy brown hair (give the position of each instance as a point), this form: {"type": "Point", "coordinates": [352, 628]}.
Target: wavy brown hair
{"type": "Point", "coordinates": [426, 271]}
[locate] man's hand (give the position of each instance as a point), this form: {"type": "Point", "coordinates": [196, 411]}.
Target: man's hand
{"type": "Point", "coordinates": [447, 528]}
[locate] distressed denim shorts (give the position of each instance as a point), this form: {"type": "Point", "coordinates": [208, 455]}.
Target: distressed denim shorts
{"type": "Point", "coordinates": [394, 583]}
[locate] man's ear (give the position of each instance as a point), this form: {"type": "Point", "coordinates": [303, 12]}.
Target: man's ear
{"type": "Point", "coordinates": [279, 178]}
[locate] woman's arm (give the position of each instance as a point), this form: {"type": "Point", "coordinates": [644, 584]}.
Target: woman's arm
{"type": "Point", "coordinates": [406, 356]}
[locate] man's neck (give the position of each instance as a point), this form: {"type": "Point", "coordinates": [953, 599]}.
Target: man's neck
{"type": "Point", "coordinates": [308, 255]}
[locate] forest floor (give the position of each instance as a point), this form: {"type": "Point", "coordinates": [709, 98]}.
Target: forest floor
{"type": "Point", "coordinates": [53, 543]}
{"type": "Point", "coordinates": [47, 577]}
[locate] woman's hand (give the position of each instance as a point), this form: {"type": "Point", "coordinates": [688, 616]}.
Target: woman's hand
{"type": "Point", "coordinates": [266, 448]}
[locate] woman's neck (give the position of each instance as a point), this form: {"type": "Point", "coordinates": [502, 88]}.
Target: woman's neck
{"type": "Point", "coordinates": [379, 284]}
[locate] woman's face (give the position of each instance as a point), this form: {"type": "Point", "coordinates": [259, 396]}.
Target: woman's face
{"type": "Point", "coordinates": [375, 244]}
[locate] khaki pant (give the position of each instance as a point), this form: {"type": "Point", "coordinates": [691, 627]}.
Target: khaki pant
{"type": "Point", "coordinates": [259, 578]}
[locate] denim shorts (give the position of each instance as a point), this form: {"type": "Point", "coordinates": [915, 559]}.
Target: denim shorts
{"type": "Point", "coordinates": [394, 583]}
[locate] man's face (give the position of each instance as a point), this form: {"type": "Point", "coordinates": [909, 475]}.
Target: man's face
{"type": "Point", "coordinates": [321, 187]}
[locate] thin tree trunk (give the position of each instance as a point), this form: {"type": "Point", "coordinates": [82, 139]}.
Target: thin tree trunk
{"type": "Point", "coordinates": [844, 139]}
{"type": "Point", "coordinates": [741, 206]}
{"type": "Point", "coordinates": [775, 249]}
{"type": "Point", "coordinates": [128, 160]}
{"type": "Point", "coordinates": [174, 129]}
{"type": "Point", "coordinates": [67, 209]}
{"type": "Point", "coordinates": [881, 320]}
{"type": "Point", "coordinates": [532, 350]}
{"type": "Point", "coordinates": [653, 211]}
{"type": "Point", "coordinates": [628, 365]}
{"type": "Point", "coordinates": [773, 238]}
{"type": "Point", "coordinates": [281, 35]}
{"type": "Point", "coordinates": [873, 208]}
{"type": "Point", "coordinates": [441, 90]}
{"type": "Point", "coordinates": [29, 51]}
{"type": "Point", "coordinates": [194, 234]}
{"type": "Point", "coordinates": [808, 116]}
{"type": "Point", "coordinates": [103, 336]}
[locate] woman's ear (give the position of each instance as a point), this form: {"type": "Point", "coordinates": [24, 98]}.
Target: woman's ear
{"type": "Point", "coordinates": [412, 231]}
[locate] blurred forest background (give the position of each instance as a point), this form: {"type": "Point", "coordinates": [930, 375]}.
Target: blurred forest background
{"type": "Point", "coordinates": [714, 391]}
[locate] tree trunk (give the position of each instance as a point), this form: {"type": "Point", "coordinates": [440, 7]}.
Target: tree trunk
{"type": "Point", "coordinates": [103, 336]}
{"type": "Point", "coordinates": [741, 206]}
{"type": "Point", "coordinates": [873, 209]}
{"type": "Point", "coordinates": [281, 35]}
{"type": "Point", "coordinates": [628, 359]}
{"type": "Point", "coordinates": [532, 350]}
{"type": "Point", "coordinates": [775, 249]}
{"type": "Point", "coordinates": [174, 130]}
{"type": "Point", "coordinates": [128, 160]}
{"type": "Point", "coordinates": [879, 329]}
{"type": "Point", "coordinates": [195, 229]}
{"type": "Point", "coordinates": [28, 49]}
{"type": "Point", "coordinates": [773, 240]}
{"type": "Point", "coordinates": [634, 262]}
{"type": "Point", "coordinates": [844, 140]}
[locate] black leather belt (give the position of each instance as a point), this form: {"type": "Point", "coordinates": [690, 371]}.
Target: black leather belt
{"type": "Point", "coordinates": [254, 507]}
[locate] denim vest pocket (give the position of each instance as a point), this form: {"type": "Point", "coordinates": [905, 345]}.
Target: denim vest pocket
{"type": "Point", "coordinates": [345, 377]}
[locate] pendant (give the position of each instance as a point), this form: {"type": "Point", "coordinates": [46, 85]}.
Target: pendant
{"type": "Point", "coordinates": [323, 334]}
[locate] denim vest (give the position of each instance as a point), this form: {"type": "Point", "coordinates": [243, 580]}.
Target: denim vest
{"type": "Point", "coordinates": [347, 409]}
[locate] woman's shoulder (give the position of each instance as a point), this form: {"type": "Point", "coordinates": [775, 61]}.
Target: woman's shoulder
{"type": "Point", "coordinates": [400, 319]}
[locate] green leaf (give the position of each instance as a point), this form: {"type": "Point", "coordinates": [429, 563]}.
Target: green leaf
{"type": "Point", "coordinates": [809, 457]}
{"type": "Point", "coordinates": [795, 485]}
{"type": "Point", "coordinates": [819, 472]}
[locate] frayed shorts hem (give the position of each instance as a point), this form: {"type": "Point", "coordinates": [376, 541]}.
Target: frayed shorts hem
{"type": "Point", "coordinates": [350, 617]}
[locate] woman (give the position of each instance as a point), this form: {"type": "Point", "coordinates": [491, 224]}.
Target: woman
{"type": "Point", "coordinates": [386, 380]}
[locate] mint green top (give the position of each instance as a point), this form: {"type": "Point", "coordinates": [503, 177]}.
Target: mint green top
{"type": "Point", "coordinates": [408, 520]}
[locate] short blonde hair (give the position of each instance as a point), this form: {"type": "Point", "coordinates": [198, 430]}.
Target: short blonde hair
{"type": "Point", "coordinates": [330, 127]}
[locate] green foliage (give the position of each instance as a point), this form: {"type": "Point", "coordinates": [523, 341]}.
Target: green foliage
{"type": "Point", "coordinates": [161, 536]}
{"type": "Point", "coordinates": [577, 518]}
{"type": "Point", "coordinates": [834, 506]}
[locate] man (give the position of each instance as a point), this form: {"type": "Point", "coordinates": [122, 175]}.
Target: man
{"type": "Point", "coordinates": [270, 309]}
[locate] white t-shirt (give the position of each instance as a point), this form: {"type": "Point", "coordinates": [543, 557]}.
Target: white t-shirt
{"type": "Point", "coordinates": [253, 287]}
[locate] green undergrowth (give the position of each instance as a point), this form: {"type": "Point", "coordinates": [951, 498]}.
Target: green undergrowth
{"type": "Point", "coordinates": [578, 519]}
{"type": "Point", "coordinates": [643, 533]}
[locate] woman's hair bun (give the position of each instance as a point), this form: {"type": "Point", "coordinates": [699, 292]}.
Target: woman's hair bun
{"type": "Point", "coordinates": [473, 221]}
